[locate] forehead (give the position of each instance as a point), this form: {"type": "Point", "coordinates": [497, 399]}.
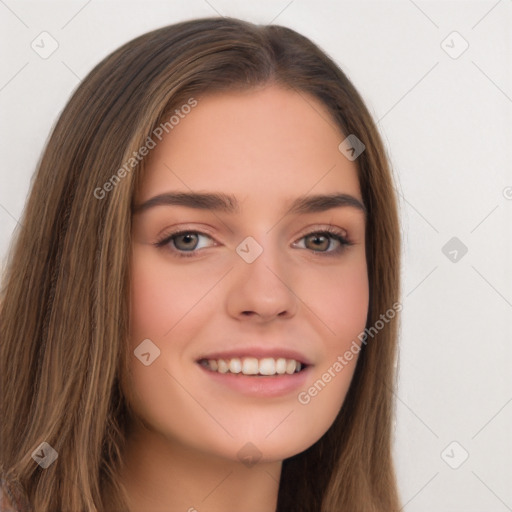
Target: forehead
{"type": "Point", "coordinates": [264, 143]}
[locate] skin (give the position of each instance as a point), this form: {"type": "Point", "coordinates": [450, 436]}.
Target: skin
{"type": "Point", "coordinates": [267, 147]}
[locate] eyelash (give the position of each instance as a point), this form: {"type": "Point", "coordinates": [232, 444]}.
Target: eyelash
{"type": "Point", "coordinates": [330, 231]}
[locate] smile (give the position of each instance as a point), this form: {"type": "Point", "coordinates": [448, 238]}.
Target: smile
{"type": "Point", "coordinates": [267, 366]}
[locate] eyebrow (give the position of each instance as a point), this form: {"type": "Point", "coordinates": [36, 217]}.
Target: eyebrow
{"type": "Point", "coordinates": [229, 204]}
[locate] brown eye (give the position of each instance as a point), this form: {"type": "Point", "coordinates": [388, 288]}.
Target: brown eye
{"type": "Point", "coordinates": [318, 242]}
{"type": "Point", "coordinates": [186, 241]}
{"type": "Point", "coordinates": [183, 243]}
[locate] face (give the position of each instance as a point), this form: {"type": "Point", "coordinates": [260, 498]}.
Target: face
{"type": "Point", "coordinates": [252, 278]}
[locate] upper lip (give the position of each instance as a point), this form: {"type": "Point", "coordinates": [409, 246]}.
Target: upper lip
{"type": "Point", "coordinates": [258, 353]}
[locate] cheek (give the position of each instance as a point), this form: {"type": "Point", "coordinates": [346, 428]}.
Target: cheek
{"type": "Point", "coordinates": [340, 299]}
{"type": "Point", "coordinates": [161, 294]}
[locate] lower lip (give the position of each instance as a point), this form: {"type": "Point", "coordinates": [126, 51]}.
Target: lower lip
{"type": "Point", "coordinates": [250, 385]}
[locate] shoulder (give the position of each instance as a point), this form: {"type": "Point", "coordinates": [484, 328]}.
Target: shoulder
{"type": "Point", "coordinates": [12, 497]}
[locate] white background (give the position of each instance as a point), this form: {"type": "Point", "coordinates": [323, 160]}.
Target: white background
{"type": "Point", "coordinates": [447, 125]}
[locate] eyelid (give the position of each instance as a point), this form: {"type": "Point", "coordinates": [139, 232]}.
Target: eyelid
{"type": "Point", "coordinates": [335, 233]}
{"type": "Point", "coordinates": [324, 228]}
{"type": "Point", "coordinates": [167, 238]}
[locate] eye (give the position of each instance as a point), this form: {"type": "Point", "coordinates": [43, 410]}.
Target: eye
{"type": "Point", "coordinates": [183, 241]}
{"type": "Point", "coordinates": [184, 244]}
{"type": "Point", "coordinates": [320, 241]}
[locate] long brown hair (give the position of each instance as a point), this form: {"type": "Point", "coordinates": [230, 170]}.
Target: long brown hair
{"type": "Point", "coordinates": [64, 319]}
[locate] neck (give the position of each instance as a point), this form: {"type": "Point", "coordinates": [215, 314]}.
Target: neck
{"type": "Point", "coordinates": [161, 474]}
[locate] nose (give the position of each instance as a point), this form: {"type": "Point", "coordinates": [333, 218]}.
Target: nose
{"type": "Point", "coordinates": [262, 291]}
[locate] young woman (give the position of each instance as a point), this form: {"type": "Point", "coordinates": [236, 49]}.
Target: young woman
{"type": "Point", "coordinates": [200, 309]}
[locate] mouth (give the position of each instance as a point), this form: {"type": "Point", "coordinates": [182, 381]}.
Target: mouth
{"type": "Point", "coordinates": [254, 367]}
{"type": "Point", "coordinates": [257, 378]}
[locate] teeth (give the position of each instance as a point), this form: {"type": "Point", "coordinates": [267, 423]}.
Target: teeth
{"type": "Point", "coordinates": [222, 366]}
{"type": "Point", "coordinates": [281, 365]}
{"type": "Point", "coordinates": [250, 366]}
{"type": "Point", "coordinates": [253, 366]}
{"type": "Point", "coordinates": [268, 366]}
{"type": "Point", "coordinates": [235, 366]}
{"type": "Point", "coordinates": [290, 366]}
